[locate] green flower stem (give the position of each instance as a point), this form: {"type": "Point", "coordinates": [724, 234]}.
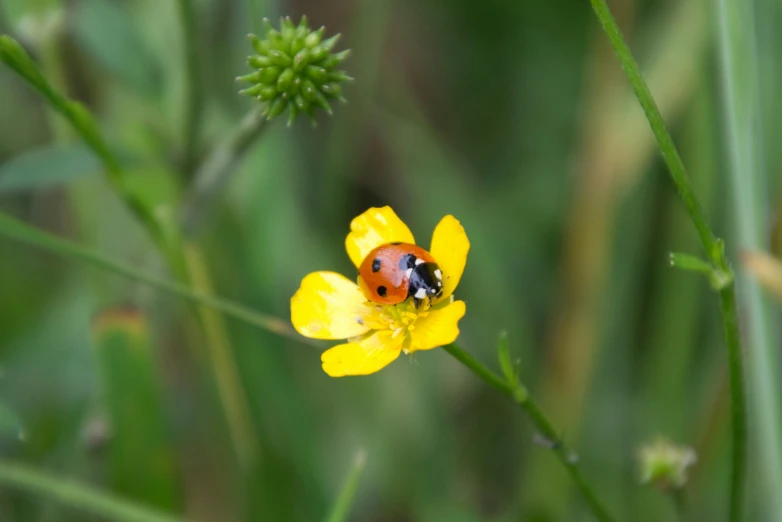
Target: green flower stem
{"type": "Point", "coordinates": [738, 414]}
{"type": "Point", "coordinates": [217, 170]}
{"type": "Point", "coordinates": [714, 249]}
{"type": "Point", "coordinates": [97, 503]}
{"type": "Point", "coordinates": [664, 140]}
{"type": "Point", "coordinates": [194, 107]}
{"type": "Point", "coordinates": [20, 231]}
{"type": "Point", "coordinates": [341, 509]}
{"type": "Point", "coordinates": [518, 394]}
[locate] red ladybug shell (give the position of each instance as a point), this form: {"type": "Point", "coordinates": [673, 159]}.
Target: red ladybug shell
{"type": "Point", "coordinates": [382, 276]}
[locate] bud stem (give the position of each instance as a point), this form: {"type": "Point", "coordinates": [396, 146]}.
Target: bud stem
{"type": "Point", "coordinates": [218, 168]}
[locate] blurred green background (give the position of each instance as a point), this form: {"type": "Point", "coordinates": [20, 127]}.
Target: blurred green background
{"type": "Point", "coordinates": [514, 117]}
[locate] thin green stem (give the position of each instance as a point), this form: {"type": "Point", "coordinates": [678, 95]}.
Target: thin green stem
{"type": "Point", "coordinates": [76, 495]}
{"type": "Point", "coordinates": [664, 140]}
{"type": "Point", "coordinates": [341, 509]}
{"type": "Point", "coordinates": [15, 57]}
{"type": "Point", "coordinates": [218, 169]}
{"type": "Point", "coordinates": [714, 249]}
{"type": "Point", "coordinates": [194, 107]}
{"type": "Point", "coordinates": [737, 393]}
{"type": "Point", "coordinates": [520, 396]}
{"type": "Point", "coordinates": [24, 233]}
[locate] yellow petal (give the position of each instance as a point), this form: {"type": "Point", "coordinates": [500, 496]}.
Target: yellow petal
{"type": "Point", "coordinates": [328, 306]}
{"type": "Point", "coordinates": [363, 357]}
{"type": "Point", "coordinates": [449, 248]}
{"type": "Point", "coordinates": [375, 227]}
{"type": "Point", "coordinates": [439, 327]}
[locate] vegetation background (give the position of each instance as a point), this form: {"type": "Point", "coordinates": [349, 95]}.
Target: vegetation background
{"type": "Point", "coordinates": [513, 116]}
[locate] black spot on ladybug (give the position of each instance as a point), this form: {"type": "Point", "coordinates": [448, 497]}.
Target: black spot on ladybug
{"type": "Point", "coordinates": [376, 264]}
{"type": "Point", "coordinates": [382, 291]}
{"type": "Point", "coordinates": [396, 243]}
{"type": "Point", "coordinates": [407, 261]}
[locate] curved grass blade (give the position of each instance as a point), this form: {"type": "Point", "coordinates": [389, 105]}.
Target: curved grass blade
{"type": "Point", "coordinates": [341, 509]}
{"type": "Point", "coordinates": [77, 495]}
{"type": "Point", "coordinates": [20, 231]}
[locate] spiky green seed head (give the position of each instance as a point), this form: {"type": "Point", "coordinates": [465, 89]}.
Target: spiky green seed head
{"type": "Point", "coordinates": [295, 70]}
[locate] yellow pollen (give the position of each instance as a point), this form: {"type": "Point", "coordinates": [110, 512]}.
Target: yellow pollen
{"type": "Point", "coordinates": [400, 319]}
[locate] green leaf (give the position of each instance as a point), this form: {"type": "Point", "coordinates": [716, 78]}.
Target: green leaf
{"type": "Point", "coordinates": [718, 278]}
{"type": "Point", "coordinates": [341, 509]}
{"type": "Point", "coordinates": [133, 398]}
{"type": "Point", "coordinates": [48, 166]}
{"type": "Point", "coordinates": [106, 31]}
{"type": "Point", "coordinates": [689, 263]}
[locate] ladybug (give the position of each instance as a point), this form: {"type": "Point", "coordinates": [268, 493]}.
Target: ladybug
{"type": "Point", "coordinates": [394, 272]}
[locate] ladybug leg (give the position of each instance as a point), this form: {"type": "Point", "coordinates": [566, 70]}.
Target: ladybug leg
{"type": "Point", "coordinates": [417, 302]}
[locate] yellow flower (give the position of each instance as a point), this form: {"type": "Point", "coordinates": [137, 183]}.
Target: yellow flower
{"type": "Point", "coordinates": [330, 306]}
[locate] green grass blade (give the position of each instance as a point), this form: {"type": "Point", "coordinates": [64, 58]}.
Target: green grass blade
{"type": "Point", "coordinates": [24, 233]}
{"type": "Point", "coordinates": [77, 495]}
{"type": "Point", "coordinates": [736, 35]}
{"type": "Point", "coordinates": [341, 509]}
{"type": "Point", "coordinates": [141, 459]}
{"type": "Point", "coordinates": [223, 364]}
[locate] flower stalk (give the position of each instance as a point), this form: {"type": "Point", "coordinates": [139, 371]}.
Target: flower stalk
{"type": "Point", "coordinates": [714, 248]}
{"type": "Point", "coordinates": [519, 395]}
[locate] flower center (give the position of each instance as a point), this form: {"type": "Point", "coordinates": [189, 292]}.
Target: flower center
{"type": "Point", "coordinates": [400, 319]}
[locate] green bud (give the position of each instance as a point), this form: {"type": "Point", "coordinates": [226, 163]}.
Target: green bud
{"type": "Point", "coordinates": [255, 90]}
{"type": "Point", "coordinates": [259, 62]}
{"type": "Point", "coordinates": [295, 70]}
{"type": "Point", "coordinates": [280, 58]}
{"type": "Point", "coordinates": [335, 59]}
{"type": "Point", "coordinates": [285, 80]}
{"type": "Point", "coordinates": [268, 93]}
{"type": "Point", "coordinates": [314, 37]}
{"type": "Point", "coordinates": [317, 74]}
{"type": "Point", "coordinates": [332, 90]}
{"type": "Point", "coordinates": [329, 44]}
{"type": "Point", "coordinates": [300, 60]}
{"type": "Point", "coordinates": [269, 75]}
{"type": "Point", "coordinates": [276, 108]}
{"type": "Point", "coordinates": [664, 464]}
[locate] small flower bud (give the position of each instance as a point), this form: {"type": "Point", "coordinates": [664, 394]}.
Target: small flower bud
{"type": "Point", "coordinates": [664, 465]}
{"type": "Point", "coordinates": [295, 69]}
